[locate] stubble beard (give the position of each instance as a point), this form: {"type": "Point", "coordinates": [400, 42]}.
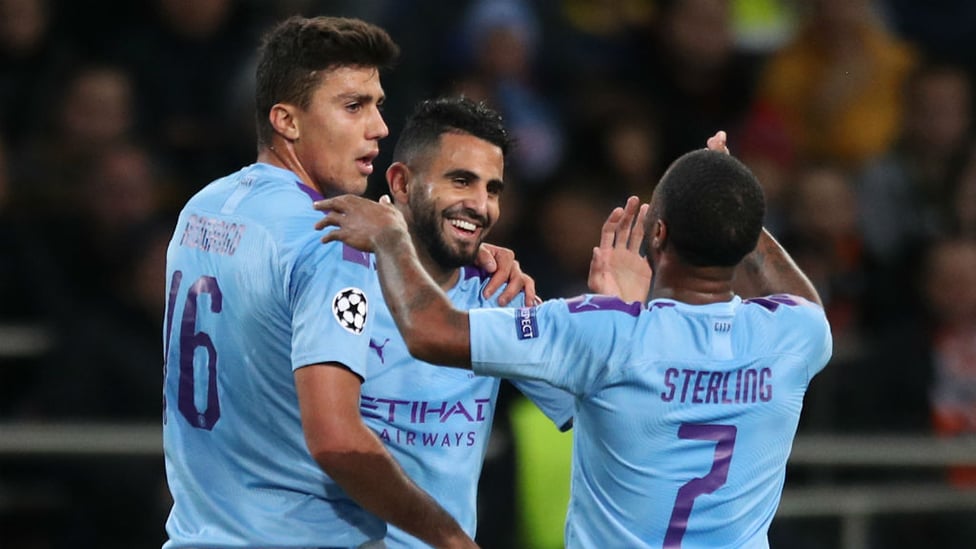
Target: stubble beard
{"type": "Point", "coordinates": [429, 230]}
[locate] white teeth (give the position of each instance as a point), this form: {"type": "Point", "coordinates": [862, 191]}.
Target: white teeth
{"type": "Point", "coordinates": [464, 225]}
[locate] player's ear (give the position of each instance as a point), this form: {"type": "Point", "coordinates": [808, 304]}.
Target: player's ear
{"type": "Point", "coordinates": [659, 235]}
{"type": "Point", "coordinates": [283, 120]}
{"type": "Point", "coordinates": [398, 178]}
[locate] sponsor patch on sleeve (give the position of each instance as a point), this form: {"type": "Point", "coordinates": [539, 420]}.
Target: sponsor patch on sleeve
{"type": "Point", "coordinates": [526, 326]}
{"type": "Point", "coordinates": [349, 309]}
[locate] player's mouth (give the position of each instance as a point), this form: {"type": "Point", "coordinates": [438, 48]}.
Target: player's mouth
{"type": "Point", "coordinates": [465, 229]}
{"type": "Point", "coordinates": [365, 163]}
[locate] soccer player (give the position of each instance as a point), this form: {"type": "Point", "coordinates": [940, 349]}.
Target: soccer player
{"type": "Point", "coordinates": [686, 407]}
{"type": "Point", "coordinates": [447, 180]}
{"type": "Point", "coordinates": [266, 331]}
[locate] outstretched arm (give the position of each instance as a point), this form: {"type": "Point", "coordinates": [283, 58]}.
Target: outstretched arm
{"type": "Point", "coordinates": [432, 328]}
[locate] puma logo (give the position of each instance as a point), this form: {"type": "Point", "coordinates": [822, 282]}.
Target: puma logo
{"type": "Point", "coordinates": [588, 302]}
{"type": "Point", "coordinates": [378, 347]}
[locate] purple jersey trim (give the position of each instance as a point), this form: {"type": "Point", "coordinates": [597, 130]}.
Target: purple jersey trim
{"type": "Point", "coordinates": [312, 193]}
{"type": "Point", "coordinates": [593, 302]}
{"type": "Point", "coordinates": [348, 253]}
{"type": "Point", "coordinates": [470, 271]}
{"type": "Point", "coordinates": [772, 302]}
{"type": "Point", "coordinates": [352, 254]}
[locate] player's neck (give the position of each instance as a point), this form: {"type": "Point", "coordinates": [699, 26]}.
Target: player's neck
{"type": "Point", "coordinates": [693, 285]}
{"type": "Point", "coordinates": [281, 155]}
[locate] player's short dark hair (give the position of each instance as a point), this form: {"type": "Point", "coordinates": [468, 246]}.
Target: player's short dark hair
{"type": "Point", "coordinates": [713, 207]}
{"type": "Point", "coordinates": [435, 117]}
{"type": "Point", "coordinates": [293, 54]}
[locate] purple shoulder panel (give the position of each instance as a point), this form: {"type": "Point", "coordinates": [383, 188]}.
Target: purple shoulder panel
{"type": "Point", "coordinates": [348, 252]}
{"type": "Point", "coordinates": [312, 193]}
{"type": "Point", "coordinates": [594, 302]}
{"type": "Point", "coordinates": [352, 254]}
{"type": "Point", "coordinates": [772, 302]}
{"type": "Point", "coordinates": [470, 271]}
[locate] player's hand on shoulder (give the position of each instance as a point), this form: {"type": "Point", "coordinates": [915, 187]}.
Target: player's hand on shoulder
{"type": "Point", "coordinates": [501, 264]}
{"type": "Point", "coordinates": [362, 223]}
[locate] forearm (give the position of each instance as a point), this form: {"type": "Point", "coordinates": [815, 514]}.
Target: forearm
{"type": "Point", "coordinates": [372, 478]}
{"type": "Point", "coordinates": [769, 269]}
{"type": "Point", "coordinates": [432, 328]}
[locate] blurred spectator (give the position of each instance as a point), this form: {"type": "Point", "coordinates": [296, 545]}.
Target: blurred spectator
{"type": "Point", "coordinates": [909, 193]}
{"type": "Point", "coordinates": [942, 29]}
{"type": "Point", "coordinates": [561, 235]}
{"type": "Point", "coordinates": [500, 67]}
{"type": "Point", "coordinates": [838, 83]}
{"type": "Point", "coordinates": [107, 362]}
{"type": "Point", "coordinates": [926, 382]}
{"type": "Point", "coordinates": [909, 189]}
{"type": "Point", "coordinates": [94, 110]}
{"type": "Point", "coordinates": [824, 239]}
{"type": "Point", "coordinates": [950, 291]}
{"type": "Point", "coordinates": [30, 56]}
{"type": "Point", "coordinates": [693, 75]}
{"type": "Point", "coordinates": [617, 143]}
{"type": "Point", "coordinates": [764, 145]}
{"type": "Point", "coordinates": [599, 41]}
{"type": "Point", "coordinates": [197, 49]}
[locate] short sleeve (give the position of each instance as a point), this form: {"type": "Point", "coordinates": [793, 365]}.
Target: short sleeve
{"type": "Point", "coordinates": [556, 342]}
{"type": "Point", "coordinates": [331, 290]}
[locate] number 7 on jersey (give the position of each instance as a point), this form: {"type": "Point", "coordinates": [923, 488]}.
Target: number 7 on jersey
{"type": "Point", "coordinates": [724, 438]}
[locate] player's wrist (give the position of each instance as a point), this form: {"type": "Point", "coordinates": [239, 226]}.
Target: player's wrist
{"type": "Point", "coordinates": [393, 239]}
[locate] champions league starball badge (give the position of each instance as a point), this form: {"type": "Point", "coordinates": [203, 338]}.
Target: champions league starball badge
{"type": "Point", "coordinates": [349, 308]}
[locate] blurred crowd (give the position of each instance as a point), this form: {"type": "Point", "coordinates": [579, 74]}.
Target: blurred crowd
{"type": "Point", "coordinates": [856, 115]}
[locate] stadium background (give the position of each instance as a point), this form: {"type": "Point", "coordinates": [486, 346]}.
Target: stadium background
{"type": "Point", "coordinates": [855, 114]}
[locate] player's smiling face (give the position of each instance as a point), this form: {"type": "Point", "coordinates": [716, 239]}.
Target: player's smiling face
{"type": "Point", "coordinates": [454, 197]}
{"type": "Point", "coordinates": [341, 128]}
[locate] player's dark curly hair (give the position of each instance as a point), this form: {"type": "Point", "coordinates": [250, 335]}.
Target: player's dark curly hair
{"type": "Point", "coordinates": [294, 52]}
{"type": "Point", "coordinates": [435, 117]}
{"type": "Point", "coordinates": [713, 207]}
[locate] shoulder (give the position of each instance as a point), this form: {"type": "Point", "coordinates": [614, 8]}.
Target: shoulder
{"type": "Point", "coordinates": [591, 303]}
{"type": "Point", "coordinates": [785, 306]}
{"type": "Point", "coordinates": [777, 303]}
{"type": "Point", "coordinates": [469, 290]}
{"type": "Point", "coordinates": [789, 319]}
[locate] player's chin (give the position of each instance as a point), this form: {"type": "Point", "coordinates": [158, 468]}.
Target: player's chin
{"type": "Point", "coordinates": [465, 254]}
{"type": "Point", "coordinates": [355, 185]}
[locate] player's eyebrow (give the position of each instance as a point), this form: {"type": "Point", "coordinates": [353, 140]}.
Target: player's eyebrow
{"type": "Point", "coordinates": [360, 97]}
{"type": "Point", "coordinates": [495, 185]}
{"type": "Point", "coordinates": [461, 172]}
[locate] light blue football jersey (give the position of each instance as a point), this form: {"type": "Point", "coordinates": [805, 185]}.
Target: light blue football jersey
{"type": "Point", "coordinates": [435, 420]}
{"type": "Point", "coordinates": [685, 414]}
{"type": "Point", "coordinates": [252, 296]}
